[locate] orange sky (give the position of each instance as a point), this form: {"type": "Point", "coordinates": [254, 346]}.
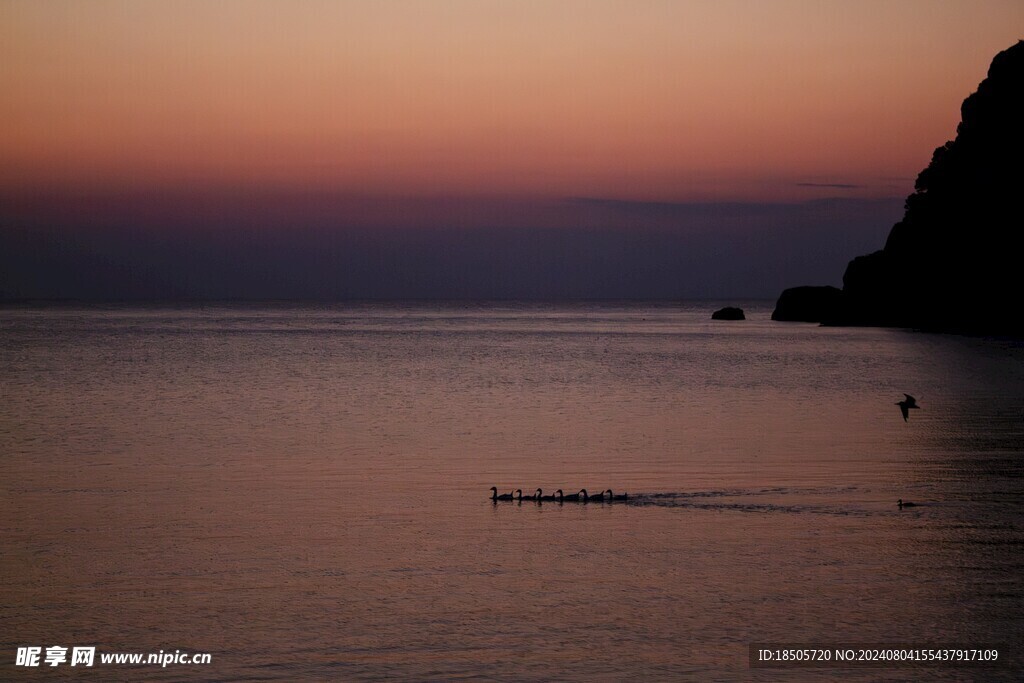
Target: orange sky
{"type": "Point", "coordinates": [628, 99]}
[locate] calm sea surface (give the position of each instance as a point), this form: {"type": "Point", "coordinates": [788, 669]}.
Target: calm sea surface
{"type": "Point", "coordinates": [303, 491]}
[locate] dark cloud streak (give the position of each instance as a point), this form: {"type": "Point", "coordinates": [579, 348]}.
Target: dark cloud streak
{"type": "Point", "coordinates": [323, 247]}
{"type": "Point", "coordinates": [835, 186]}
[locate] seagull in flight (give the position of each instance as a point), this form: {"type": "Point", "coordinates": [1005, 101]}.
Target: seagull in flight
{"type": "Point", "coordinates": [906, 405]}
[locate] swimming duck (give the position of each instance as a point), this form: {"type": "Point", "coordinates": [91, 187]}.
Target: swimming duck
{"type": "Point", "coordinates": [540, 497]}
{"type": "Point", "coordinates": [905, 505]}
{"type": "Point", "coordinates": [519, 496]}
{"type": "Point", "coordinates": [574, 497]}
{"type": "Point", "coordinates": [612, 496]}
{"type": "Point", "coordinates": [495, 497]}
{"type": "Point", "coordinates": [597, 497]}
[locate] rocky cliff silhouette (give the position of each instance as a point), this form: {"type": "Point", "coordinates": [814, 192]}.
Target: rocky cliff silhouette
{"type": "Point", "coordinates": [952, 262]}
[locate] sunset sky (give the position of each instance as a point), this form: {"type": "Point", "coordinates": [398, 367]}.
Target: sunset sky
{"type": "Point", "coordinates": [460, 103]}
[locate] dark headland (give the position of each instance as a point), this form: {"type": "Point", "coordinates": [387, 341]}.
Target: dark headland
{"type": "Point", "coordinates": [952, 263]}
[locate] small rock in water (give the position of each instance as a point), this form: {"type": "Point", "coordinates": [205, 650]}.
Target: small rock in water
{"type": "Point", "coordinates": [728, 313]}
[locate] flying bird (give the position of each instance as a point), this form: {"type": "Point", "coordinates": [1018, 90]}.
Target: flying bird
{"type": "Point", "coordinates": [906, 405]}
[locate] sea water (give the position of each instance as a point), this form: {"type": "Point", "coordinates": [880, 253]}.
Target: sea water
{"type": "Point", "coordinates": [303, 491]}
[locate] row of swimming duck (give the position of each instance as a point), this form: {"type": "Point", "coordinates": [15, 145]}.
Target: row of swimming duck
{"type": "Point", "coordinates": [606, 496]}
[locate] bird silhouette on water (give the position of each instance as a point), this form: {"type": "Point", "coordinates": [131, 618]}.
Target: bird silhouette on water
{"type": "Point", "coordinates": [495, 497]}
{"type": "Point", "coordinates": [905, 505]}
{"type": "Point", "coordinates": [573, 497]}
{"type": "Point", "coordinates": [906, 405]}
{"type": "Point", "coordinates": [520, 498]}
